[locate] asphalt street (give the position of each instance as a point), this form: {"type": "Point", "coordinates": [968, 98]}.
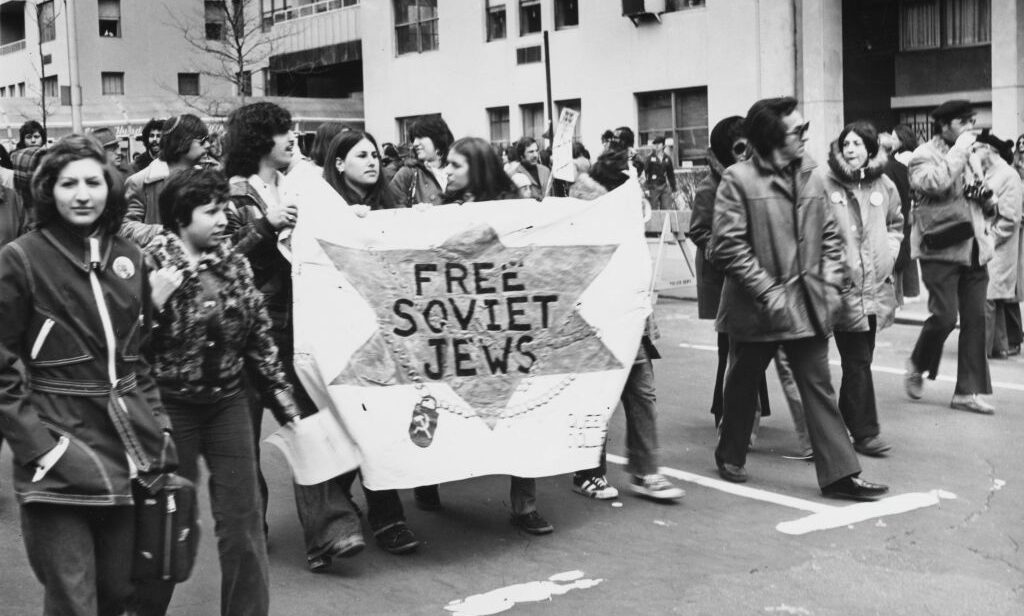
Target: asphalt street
{"type": "Point", "coordinates": [715, 552]}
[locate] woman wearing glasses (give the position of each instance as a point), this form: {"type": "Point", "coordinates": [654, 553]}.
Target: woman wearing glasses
{"type": "Point", "coordinates": [183, 144]}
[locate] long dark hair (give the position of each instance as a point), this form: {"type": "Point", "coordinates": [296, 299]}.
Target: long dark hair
{"type": "Point", "coordinates": [340, 146]}
{"type": "Point", "coordinates": [177, 135]}
{"type": "Point", "coordinates": [325, 133]}
{"type": "Point", "coordinates": [249, 136]}
{"type": "Point", "coordinates": [487, 178]}
{"type": "Point", "coordinates": [66, 151]}
{"type": "Point", "coordinates": [27, 129]}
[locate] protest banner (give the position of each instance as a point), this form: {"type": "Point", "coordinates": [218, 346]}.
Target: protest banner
{"type": "Point", "coordinates": [562, 166]}
{"type": "Point", "coordinates": [465, 340]}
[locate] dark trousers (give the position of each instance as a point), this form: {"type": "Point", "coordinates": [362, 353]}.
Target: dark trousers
{"type": "Point", "coordinates": [1014, 332]}
{"type": "Point", "coordinates": [857, 391]}
{"type": "Point", "coordinates": [383, 509]}
{"type": "Point", "coordinates": [221, 432]}
{"type": "Point", "coordinates": [834, 457]}
{"type": "Point", "coordinates": [996, 339]}
{"type": "Point", "coordinates": [81, 555]}
{"type": "Point", "coordinates": [724, 354]}
{"type": "Point", "coordinates": [954, 289]}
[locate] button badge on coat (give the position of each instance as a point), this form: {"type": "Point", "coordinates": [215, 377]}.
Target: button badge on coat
{"type": "Point", "coordinates": [124, 267]}
{"type": "Point", "coordinates": [876, 199]}
{"type": "Point", "coordinates": [836, 197]}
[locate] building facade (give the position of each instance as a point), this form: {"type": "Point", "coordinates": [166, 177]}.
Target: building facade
{"type": "Point", "coordinates": [137, 60]}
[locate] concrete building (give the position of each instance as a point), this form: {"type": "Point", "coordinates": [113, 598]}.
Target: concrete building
{"type": "Point", "coordinates": [676, 67]}
{"type": "Point", "coordinates": [137, 60]}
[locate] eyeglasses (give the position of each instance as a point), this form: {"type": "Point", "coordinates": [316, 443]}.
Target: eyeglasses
{"type": "Point", "coordinates": [799, 130]}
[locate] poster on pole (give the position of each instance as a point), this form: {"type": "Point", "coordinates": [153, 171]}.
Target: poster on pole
{"type": "Point", "coordinates": [467, 340]}
{"type": "Point", "coordinates": [562, 167]}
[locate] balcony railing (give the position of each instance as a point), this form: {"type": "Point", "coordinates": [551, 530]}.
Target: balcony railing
{"type": "Point", "coordinates": [12, 47]}
{"type": "Point", "coordinates": [315, 8]}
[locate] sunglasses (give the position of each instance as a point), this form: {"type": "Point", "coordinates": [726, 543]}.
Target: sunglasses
{"type": "Point", "coordinates": [799, 130]}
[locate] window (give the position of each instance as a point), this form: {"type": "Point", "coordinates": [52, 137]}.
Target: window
{"type": "Point", "coordinates": [110, 18]}
{"type": "Point", "coordinates": [21, 89]}
{"type": "Point", "coordinates": [415, 25]}
{"type": "Point", "coordinates": [50, 89]}
{"type": "Point", "coordinates": [244, 83]}
{"type": "Point", "coordinates": [406, 122]}
{"type": "Point", "coordinates": [681, 114]}
{"type": "Point", "coordinates": [3, 92]}
{"type": "Point", "coordinates": [528, 55]}
{"type": "Point", "coordinates": [215, 18]}
{"type": "Point", "coordinates": [567, 14]}
{"type": "Point", "coordinates": [112, 84]}
{"type": "Point", "coordinates": [529, 17]}
{"type": "Point", "coordinates": [931, 24]}
{"type": "Point", "coordinates": [496, 21]}
{"type": "Point", "coordinates": [188, 84]}
{"type": "Point", "coordinates": [681, 5]}
{"type": "Point", "coordinates": [47, 22]}
{"type": "Point", "coordinates": [533, 120]}
{"type": "Point", "coordinates": [497, 117]}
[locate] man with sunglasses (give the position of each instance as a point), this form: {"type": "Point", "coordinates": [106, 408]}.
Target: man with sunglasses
{"type": "Point", "coordinates": [777, 241]}
{"type": "Point", "coordinates": [953, 265]}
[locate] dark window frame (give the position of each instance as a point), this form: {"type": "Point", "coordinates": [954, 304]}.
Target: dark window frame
{"type": "Point", "coordinates": [424, 31]}
{"type": "Point", "coordinates": [530, 11]}
{"type": "Point", "coordinates": [186, 79]}
{"type": "Point", "coordinates": [492, 9]}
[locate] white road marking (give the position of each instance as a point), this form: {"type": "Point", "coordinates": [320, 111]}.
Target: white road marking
{"type": "Point", "coordinates": [823, 516]}
{"type": "Point", "coordinates": [874, 368]}
{"type": "Point", "coordinates": [503, 599]}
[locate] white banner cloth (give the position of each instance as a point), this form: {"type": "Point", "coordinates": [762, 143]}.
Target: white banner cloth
{"type": "Point", "coordinates": [467, 340]}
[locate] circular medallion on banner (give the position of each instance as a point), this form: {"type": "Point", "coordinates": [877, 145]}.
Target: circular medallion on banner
{"type": "Point", "coordinates": [876, 198]}
{"type": "Point", "coordinates": [836, 197]}
{"type": "Point", "coordinates": [124, 267]}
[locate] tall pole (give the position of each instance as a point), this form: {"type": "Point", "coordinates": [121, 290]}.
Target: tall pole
{"type": "Point", "coordinates": [547, 77]}
{"type": "Point", "coordinates": [76, 87]}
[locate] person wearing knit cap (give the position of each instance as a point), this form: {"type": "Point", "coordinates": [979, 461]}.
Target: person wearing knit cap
{"type": "Point", "coordinates": [951, 239]}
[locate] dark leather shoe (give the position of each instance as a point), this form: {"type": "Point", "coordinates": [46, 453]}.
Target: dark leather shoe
{"type": "Point", "coordinates": [855, 488]}
{"type": "Point", "coordinates": [731, 472]}
{"type": "Point", "coordinates": [872, 446]}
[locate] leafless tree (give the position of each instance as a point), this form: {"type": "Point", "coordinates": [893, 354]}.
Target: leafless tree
{"type": "Point", "coordinates": [228, 40]}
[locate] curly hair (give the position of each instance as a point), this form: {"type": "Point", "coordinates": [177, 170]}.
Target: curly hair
{"type": "Point", "coordinates": [764, 126]}
{"type": "Point", "coordinates": [183, 192]}
{"type": "Point", "coordinates": [178, 133]}
{"type": "Point", "coordinates": [435, 129]}
{"type": "Point", "coordinates": [340, 146]}
{"type": "Point", "coordinates": [66, 151]}
{"type": "Point", "coordinates": [487, 178]}
{"type": "Point", "coordinates": [27, 129]}
{"type": "Point", "coordinates": [249, 136]}
{"type": "Point", "coordinates": [147, 130]}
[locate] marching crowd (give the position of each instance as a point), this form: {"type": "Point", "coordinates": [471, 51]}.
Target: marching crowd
{"type": "Point", "coordinates": [148, 312]}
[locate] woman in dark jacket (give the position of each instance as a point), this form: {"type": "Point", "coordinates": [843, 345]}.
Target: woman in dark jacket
{"type": "Point", "coordinates": [75, 307]}
{"type": "Point", "coordinates": [352, 168]}
{"type": "Point", "coordinates": [211, 325]}
{"type": "Point", "coordinates": [422, 180]}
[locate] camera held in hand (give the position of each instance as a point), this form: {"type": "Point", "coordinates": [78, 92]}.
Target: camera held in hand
{"type": "Point", "coordinates": [982, 195]}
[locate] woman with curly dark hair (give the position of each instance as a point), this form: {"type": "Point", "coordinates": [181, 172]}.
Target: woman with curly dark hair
{"type": "Point", "coordinates": [259, 144]}
{"type": "Point", "coordinates": [31, 134]}
{"type": "Point", "coordinates": [422, 180]}
{"type": "Point", "coordinates": [75, 308]}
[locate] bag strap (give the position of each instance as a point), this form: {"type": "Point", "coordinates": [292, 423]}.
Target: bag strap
{"type": "Point", "coordinates": [117, 410]}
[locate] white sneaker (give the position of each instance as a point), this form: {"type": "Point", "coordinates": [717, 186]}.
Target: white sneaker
{"type": "Point", "coordinates": [655, 487]}
{"type": "Point", "coordinates": [595, 487]}
{"type": "Point", "coordinates": [973, 403]}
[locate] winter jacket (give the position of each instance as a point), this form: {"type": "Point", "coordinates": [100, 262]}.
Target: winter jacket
{"type": "Point", "coordinates": [526, 184]}
{"type": "Point", "coordinates": [412, 184]}
{"type": "Point", "coordinates": [142, 192]}
{"type": "Point", "coordinates": [777, 241]}
{"type": "Point", "coordinates": [659, 172]}
{"type": "Point", "coordinates": [13, 217]}
{"type": "Point", "coordinates": [866, 205]}
{"type": "Point", "coordinates": [182, 354]}
{"type": "Point", "coordinates": [937, 174]}
{"type": "Point", "coordinates": [1008, 193]}
{"type": "Point", "coordinates": [256, 238]}
{"type": "Point", "coordinates": [52, 323]}
{"type": "Point", "coordinates": [709, 278]}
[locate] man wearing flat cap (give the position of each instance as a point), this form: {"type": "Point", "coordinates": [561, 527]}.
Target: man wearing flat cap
{"type": "Point", "coordinates": [112, 146]}
{"type": "Point", "coordinates": [950, 237]}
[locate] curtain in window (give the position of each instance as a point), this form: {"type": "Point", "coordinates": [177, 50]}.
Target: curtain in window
{"type": "Point", "coordinates": [968, 22]}
{"type": "Point", "coordinates": [919, 24]}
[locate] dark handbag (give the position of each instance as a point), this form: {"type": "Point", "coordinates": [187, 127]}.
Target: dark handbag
{"type": "Point", "coordinates": [944, 225]}
{"type": "Point", "coordinates": [166, 529]}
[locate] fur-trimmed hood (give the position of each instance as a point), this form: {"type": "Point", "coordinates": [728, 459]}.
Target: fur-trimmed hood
{"type": "Point", "coordinates": [871, 170]}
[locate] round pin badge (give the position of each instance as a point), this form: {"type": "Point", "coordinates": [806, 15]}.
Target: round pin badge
{"type": "Point", "coordinates": [836, 197]}
{"type": "Point", "coordinates": [124, 267]}
{"type": "Point", "coordinates": [876, 198]}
